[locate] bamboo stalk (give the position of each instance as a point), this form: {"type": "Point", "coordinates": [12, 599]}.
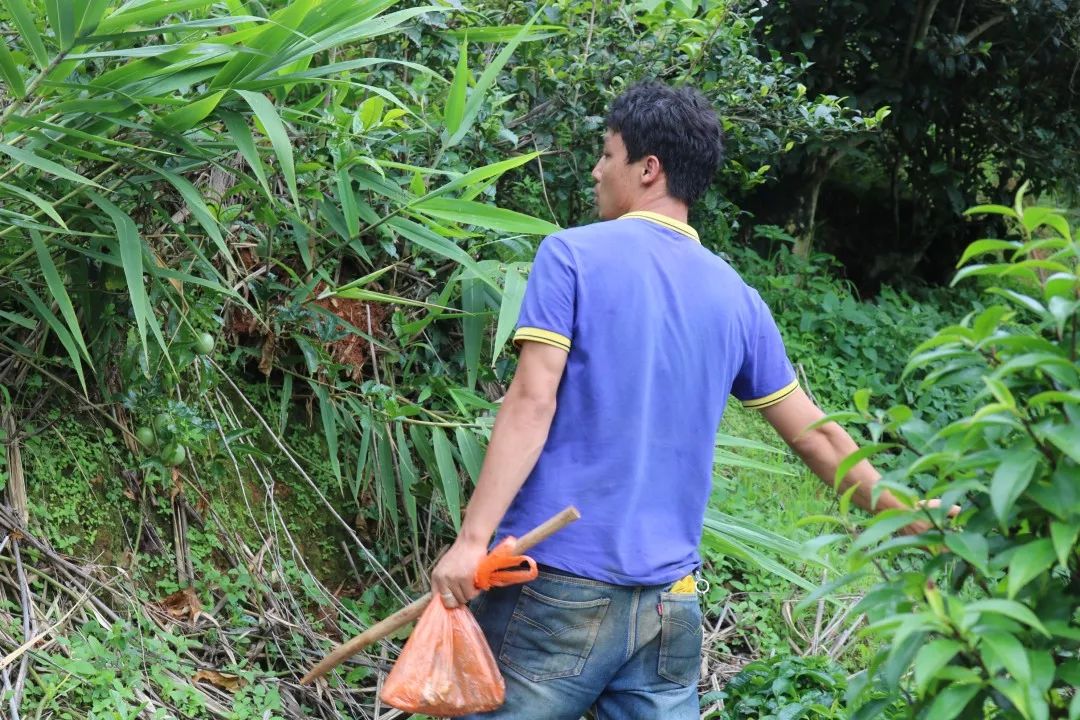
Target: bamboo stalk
{"type": "Point", "coordinates": [411, 612]}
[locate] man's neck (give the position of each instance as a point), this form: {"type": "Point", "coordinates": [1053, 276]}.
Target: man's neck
{"type": "Point", "coordinates": [666, 206]}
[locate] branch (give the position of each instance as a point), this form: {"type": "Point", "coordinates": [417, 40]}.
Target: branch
{"type": "Point", "coordinates": [981, 28]}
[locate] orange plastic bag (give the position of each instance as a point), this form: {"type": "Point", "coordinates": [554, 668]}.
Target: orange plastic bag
{"type": "Point", "coordinates": [446, 668]}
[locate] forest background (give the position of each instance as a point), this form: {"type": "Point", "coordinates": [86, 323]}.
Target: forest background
{"type": "Point", "coordinates": [259, 262]}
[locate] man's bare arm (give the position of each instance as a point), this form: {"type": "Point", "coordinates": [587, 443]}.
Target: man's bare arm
{"type": "Point", "coordinates": [824, 448]}
{"type": "Point", "coordinates": [520, 431]}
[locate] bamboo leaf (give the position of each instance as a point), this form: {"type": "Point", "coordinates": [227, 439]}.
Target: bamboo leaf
{"type": "Point", "coordinates": [88, 15]}
{"type": "Point", "coordinates": [472, 323]}
{"type": "Point", "coordinates": [279, 138]}
{"type": "Point", "coordinates": [469, 212]}
{"type": "Point", "coordinates": [24, 23]}
{"type": "Point", "coordinates": [455, 100]}
{"type": "Point", "coordinates": [131, 250]}
{"type": "Point", "coordinates": [328, 414]}
{"type": "Point", "coordinates": [487, 79]}
{"type": "Point", "coordinates": [440, 246]}
{"type": "Point", "coordinates": [448, 473]}
{"type": "Point", "coordinates": [245, 143]}
{"type": "Point", "coordinates": [385, 470]}
{"type": "Point", "coordinates": [61, 14]}
{"type": "Point", "coordinates": [472, 454]}
{"type": "Point", "coordinates": [509, 308]}
{"type": "Point", "coordinates": [59, 293]}
{"type": "Point", "coordinates": [42, 310]}
{"type": "Point", "coordinates": [190, 115]}
{"type": "Point", "coordinates": [44, 205]}
{"type": "Point", "coordinates": [200, 211]}
{"type": "Point", "coordinates": [45, 165]}
{"type": "Point", "coordinates": [20, 320]}
{"type": "Point", "coordinates": [10, 73]}
{"type": "Point", "coordinates": [409, 478]}
{"type": "Point", "coordinates": [147, 13]}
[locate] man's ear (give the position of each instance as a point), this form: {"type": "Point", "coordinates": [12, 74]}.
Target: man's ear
{"type": "Point", "coordinates": [651, 170]}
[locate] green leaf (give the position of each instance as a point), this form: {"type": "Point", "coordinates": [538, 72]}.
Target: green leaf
{"type": "Point", "coordinates": [472, 455]}
{"type": "Point", "coordinates": [931, 658]}
{"type": "Point", "coordinates": [1009, 653]}
{"type": "Point", "coordinates": [89, 15]}
{"type": "Point", "coordinates": [328, 414]}
{"type": "Point", "coordinates": [45, 206]}
{"type": "Point", "coordinates": [992, 210]}
{"type": "Point", "coordinates": [972, 547]}
{"type": "Point", "coordinates": [474, 304]}
{"type": "Point", "coordinates": [9, 72]}
{"type": "Point", "coordinates": [279, 137]}
{"type": "Point", "coordinates": [201, 212]}
{"type": "Point", "coordinates": [385, 471]}
{"type": "Point", "coordinates": [856, 457]}
{"type": "Point", "coordinates": [409, 479]}
{"type": "Point", "coordinates": [1065, 438]}
{"type": "Point", "coordinates": [981, 247]}
{"type": "Point", "coordinates": [1064, 536]}
{"type": "Point", "coordinates": [1012, 477]}
{"type": "Point", "coordinates": [448, 473]}
{"type": "Point", "coordinates": [241, 135]}
{"type": "Point", "coordinates": [1028, 563]}
{"type": "Point", "coordinates": [131, 255]}
{"type": "Point", "coordinates": [58, 328]}
{"type": "Point", "coordinates": [191, 114]}
{"type": "Point", "coordinates": [455, 100]}
{"type": "Point", "coordinates": [952, 701]}
{"type": "Point", "coordinates": [20, 320]}
{"type": "Point", "coordinates": [59, 293]}
{"type": "Point", "coordinates": [1009, 608]}
{"type": "Point", "coordinates": [468, 212]}
{"type": "Point", "coordinates": [28, 158]}
{"type": "Point", "coordinates": [440, 246]}
{"type": "Point", "coordinates": [509, 308]}
{"type": "Point", "coordinates": [502, 33]}
{"type": "Point", "coordinates": [147, 13]}
{"type": "Point", "coordinates": [61, 14]}
{"type": "Point", "coordinates": [24, 23]}
{"type": "Point", "coordinates": [487, 79]}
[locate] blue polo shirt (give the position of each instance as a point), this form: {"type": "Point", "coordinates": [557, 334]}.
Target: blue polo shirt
{"type": "Point", "coordinates": [658, 331]}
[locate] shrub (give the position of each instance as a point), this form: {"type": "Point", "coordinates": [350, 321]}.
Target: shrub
{"type": "Point", "coordinates": [980, 619]}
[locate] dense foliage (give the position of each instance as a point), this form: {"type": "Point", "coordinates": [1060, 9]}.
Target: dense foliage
{"type": "Point", "coordinates": [259, 262]}
{"type": "Point", "coordinates": [983, 608]}
{"type": "Point", "coordinates": [983, 95]}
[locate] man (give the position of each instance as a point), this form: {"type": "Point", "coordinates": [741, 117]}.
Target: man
{"type": "Point", "coordinates": [632, 336]}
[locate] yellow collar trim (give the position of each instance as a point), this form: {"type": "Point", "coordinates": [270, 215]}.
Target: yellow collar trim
{"type": "Point", "coordinates": [670, 223]}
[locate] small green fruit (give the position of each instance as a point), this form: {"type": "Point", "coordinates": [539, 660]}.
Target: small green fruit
{"type": "Point", "coordinates": [162, 421]}
{"type": "Point", "coordinates": [204, 343]}
{"type": "Point", "coordinates": [145, 436]}
{"type": "Point", "coordinates": [174, 455]}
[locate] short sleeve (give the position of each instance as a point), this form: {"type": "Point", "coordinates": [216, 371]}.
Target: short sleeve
{"type": "Point", "coordinates": [766, 376]}
{"type": "Point", "coordinates": [547, 311]}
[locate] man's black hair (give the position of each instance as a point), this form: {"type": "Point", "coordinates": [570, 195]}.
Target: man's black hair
{"type": "Point", "coordinates": [677, 125]}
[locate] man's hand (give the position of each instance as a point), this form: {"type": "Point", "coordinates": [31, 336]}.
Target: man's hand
{"type": "Point", "coordinates": [921, 526]}
{"type": "Point", "coordinates": [452, 578]}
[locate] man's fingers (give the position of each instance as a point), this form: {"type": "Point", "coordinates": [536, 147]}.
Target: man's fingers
{"type": "Point", "coordinates": [449, 599]}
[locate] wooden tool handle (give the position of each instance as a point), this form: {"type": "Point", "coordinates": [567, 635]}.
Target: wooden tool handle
{"type": "Point", "coordinates": [413, 610]}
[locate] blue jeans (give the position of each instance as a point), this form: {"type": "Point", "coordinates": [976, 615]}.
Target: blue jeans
{"type": "Point", "coordinates": [566, 644]}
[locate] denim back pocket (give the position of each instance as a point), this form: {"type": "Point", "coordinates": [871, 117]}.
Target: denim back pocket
{"type": "Point", "coordinates": [680, 638]}
{"type": "Point", "coordinates": [551, 637]}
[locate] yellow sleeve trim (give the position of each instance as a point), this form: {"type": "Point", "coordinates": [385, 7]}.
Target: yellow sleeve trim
{"type": "Point", "coordinates": [772, 398]}
{"type": "Point", "coordinates": [541, 336]}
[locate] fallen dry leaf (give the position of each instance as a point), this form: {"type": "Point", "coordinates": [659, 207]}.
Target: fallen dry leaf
{"type": "Point", "coordinates": [225, 681]}
{"type": "Point", "coordinates": [182, 605]}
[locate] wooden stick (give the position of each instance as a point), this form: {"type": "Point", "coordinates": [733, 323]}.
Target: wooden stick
{"type": "Point", "coordinates": [411, 612]}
